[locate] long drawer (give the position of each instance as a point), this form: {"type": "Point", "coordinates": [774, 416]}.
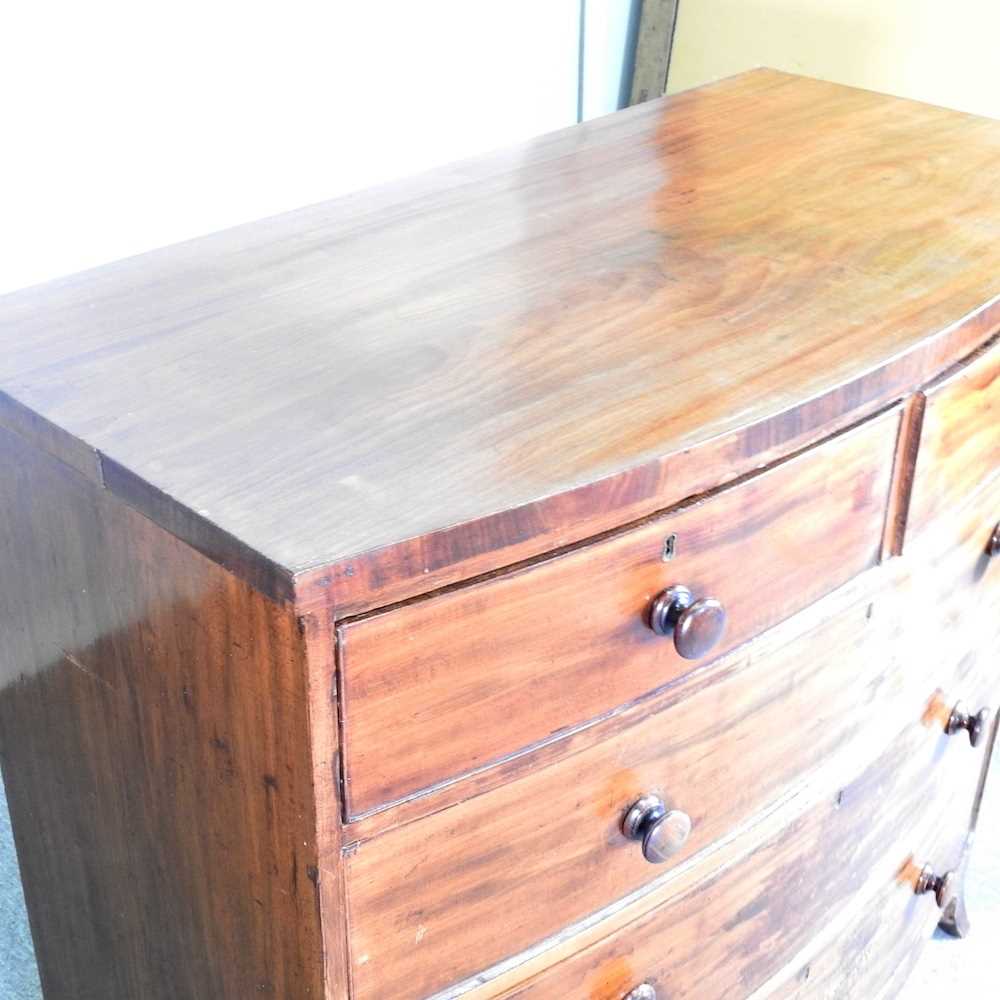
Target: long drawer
{"type": "Point", "coordinates": [438, 899]}
{"type": "Point", "coordinates": [453, 683]}
{"type": "Point", "coordinates": [724, 937]}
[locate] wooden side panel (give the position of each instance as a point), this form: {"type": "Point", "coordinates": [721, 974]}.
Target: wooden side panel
{"type": "Point", "coordinates": [318, 629]}
{"type": "Point", "coordinates": [960, 441]}
{"type": "Point", "coordinates": [446, 685]}
{"type": "Point", "coordinates": [433, 901]}
{"type": "Point", "coordinates": [154, 733]}
{"type": "Point", "coordinates": [746, 920]}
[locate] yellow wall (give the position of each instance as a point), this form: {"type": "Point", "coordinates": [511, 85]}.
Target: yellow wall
{"type": "Point", "coordinates": [942, 51]}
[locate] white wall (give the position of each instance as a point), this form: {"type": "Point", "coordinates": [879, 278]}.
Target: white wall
{"type": "Point", "coordinates": [130, 125]}
{"type": "Point", "coordinates": [940, 51]}
{"type": "Point", "coordinates": [609, 39]}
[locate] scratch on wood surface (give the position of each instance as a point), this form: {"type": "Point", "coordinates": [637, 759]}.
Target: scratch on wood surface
{"type": "Point", "coordinates": [85, 669]}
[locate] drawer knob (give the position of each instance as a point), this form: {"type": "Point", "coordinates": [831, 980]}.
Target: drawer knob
{"type": "Point", "coordinates": [643, 992]}
{"type": "Point", "coordinates": [974, 725]}
{"type": "Point", "coordinates": [944, 887]}
{"type": "Point", "coordinates": [696, 626]}
{"type": "Point", "coordinates": [662, 831]}
{"type": "Point", "coordinates": [993, 546]}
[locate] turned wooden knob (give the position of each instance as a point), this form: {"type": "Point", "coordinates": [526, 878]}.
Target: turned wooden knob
{"type": "Point", "coordinates": [662, 831]}
{"type": "Point", "coordinates": [696, 626]}
{"type": "Point", "coordinates": [944, 887]}
{"type": "Point", "coordinates": [643, 992]}
{"type": "Point", "coordinates": [993, 546]}
{"type": "Point", "coordinates": [974, 725]}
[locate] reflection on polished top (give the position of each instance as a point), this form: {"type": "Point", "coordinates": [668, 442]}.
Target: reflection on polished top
{"type": "Point", "coordinates": [468, 345]}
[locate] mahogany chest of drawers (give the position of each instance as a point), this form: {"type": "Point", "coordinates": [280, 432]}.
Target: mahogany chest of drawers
{"type": "Point", "coordinates": [574, 573]}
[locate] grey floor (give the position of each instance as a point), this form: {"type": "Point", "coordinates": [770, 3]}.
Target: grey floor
{"type": "Point", "coordinates": [953, 968]}
{"type": "Point", "coordinates": [18, 974]}
{"type": "Point", "coordinates": [949, 967]}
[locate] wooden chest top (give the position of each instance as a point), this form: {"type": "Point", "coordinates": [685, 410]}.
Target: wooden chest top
{"type": "Point", "coordinates": [404, 387]}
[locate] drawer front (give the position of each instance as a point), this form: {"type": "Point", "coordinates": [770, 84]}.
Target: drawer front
{"type": "Point", "coordinates": [959, 442]}
{"type": "Point", "coordinates": [727, 937]}
{"type": "Point", "coordinates": [868, 949]}
{"type": "Point", "coordinates": [434, 901]}
{"type": "Point", "coordinates": [453, 683]}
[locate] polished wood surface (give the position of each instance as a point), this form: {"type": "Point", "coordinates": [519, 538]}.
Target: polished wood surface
{"type": "Point", "coordinates": [404, 388]}
{"type": "Point", "coordinates": [152, 720]}
{"type": "Point", "coordinates": [489, 669]}
{"type": "Point", "coordinates": [435, 900]}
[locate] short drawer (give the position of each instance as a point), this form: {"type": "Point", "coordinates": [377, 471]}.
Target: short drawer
{"type": "Point", "coordinates": [434, 901]}
{"type": "Point", "coordinates": [959, 442]}
{"type": "Point", "coordinates": [458, 681]}
{"type": "Point", "coordinates": [725, 937]}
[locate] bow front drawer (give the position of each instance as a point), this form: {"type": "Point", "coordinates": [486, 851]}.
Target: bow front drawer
{"type": "Point", "coordinates": [452, 683]}
{"type": "Point", "coordinates": [959, 444]}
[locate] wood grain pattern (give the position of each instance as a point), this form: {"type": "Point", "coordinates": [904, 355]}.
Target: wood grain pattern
{"type": "Point", "coordinates": [411, 386]}
{"type": "Point", "coordinates": [433, 901]}
{"type": "Point", "coordinates": [454, 683]}
{"type": "Point", "coordinates": [608, 727]}
{"type": "Point", "coordinates": [728, 936]}
{"type": "Point", "coordinates": [153, 720]}
{"type": "Point", "coordinates": [960, 440]}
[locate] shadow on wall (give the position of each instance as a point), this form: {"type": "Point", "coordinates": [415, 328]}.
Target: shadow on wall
{"type": "Point", "coordinates": [628, 61]}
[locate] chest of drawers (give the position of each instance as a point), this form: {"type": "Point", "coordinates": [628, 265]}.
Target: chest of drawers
{"type": "Point", "coordinates": [574, 573]}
